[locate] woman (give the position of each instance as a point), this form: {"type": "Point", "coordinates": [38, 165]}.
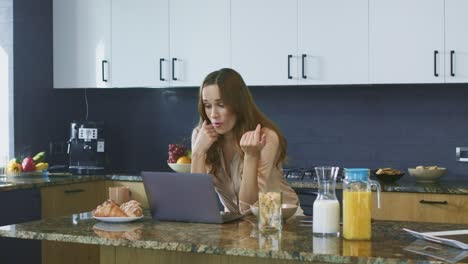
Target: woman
{"type": "Point", "coordinates": [237, 143]}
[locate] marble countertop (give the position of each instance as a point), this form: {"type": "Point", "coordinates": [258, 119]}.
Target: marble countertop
{"type": "Point", "coordinates": [389, 244]}
{"type": "Point", "coordinates": [410, 186]}
{"type": "Point", "coordinates": [51, 179]}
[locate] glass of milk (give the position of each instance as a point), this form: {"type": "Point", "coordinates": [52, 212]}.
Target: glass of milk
{"type": "Point", "coordinates": [326, 209]}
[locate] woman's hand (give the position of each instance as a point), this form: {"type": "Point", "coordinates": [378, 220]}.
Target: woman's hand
{"type": "Point", "coordinates": [206, 137]}
{"type": "Point", "coordinates": [252, 142]}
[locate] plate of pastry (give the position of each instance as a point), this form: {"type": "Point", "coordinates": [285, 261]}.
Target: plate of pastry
{"type": "Point", "coordinates": [111, 212]}
{"type": "Point", "coordinates": [117, 219]}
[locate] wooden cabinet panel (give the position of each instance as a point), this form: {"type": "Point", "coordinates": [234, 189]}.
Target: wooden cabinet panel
{"type": "Point", "coordinates": [67, 200]}
{"type": "Point", "coordinates": [136, 188]}
{"type": "Point", "coordinates": [441, 208]}
{"type": "Point", "coordinates": [71, 199]}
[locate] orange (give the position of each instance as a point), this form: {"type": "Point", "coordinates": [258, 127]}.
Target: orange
{"type": "Point", "coordinates": [184, 160]}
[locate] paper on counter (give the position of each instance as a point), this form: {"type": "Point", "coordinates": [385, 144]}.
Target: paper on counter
{"type": "Point", "coordinates": [435, 237]}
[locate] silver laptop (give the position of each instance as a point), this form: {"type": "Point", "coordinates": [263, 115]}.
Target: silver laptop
{"type": "Point", "coordinates": [183, 197]}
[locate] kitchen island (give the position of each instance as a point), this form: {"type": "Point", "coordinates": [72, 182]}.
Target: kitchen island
{"type": "Point", "coordinates": [148, 241]}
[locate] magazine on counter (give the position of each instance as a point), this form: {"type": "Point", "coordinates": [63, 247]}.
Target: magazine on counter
{"type": "Point", "coordinates": [454, 238]}
{"type": "Point", "coordinates": [438, 251]}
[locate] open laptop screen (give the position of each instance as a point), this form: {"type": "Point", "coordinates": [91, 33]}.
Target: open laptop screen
{"type": "Point", "coordinates": [182, 197]}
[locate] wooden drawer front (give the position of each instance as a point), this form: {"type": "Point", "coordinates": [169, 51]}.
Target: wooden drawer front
{"type": "Point", "coordinates": [71, 198]}
{"type": "Point", "coordinates": [137, 190]}
{"type": "Point", "coordinates": [441, 208]}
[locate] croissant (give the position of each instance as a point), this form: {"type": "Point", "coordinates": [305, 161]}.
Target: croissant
{"type": "Point", "coordinates": [109, 209]}
{"type": "Point", "coordinates": [132, 208]}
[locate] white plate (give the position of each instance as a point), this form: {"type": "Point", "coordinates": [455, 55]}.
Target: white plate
{"type": "Point", "coordinates": [117, 219]}
{"type": "Point", "coordinates": [117, 227]}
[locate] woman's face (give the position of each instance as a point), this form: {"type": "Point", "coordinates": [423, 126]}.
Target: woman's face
{"type": "Point", "coordinates": [220, 115]}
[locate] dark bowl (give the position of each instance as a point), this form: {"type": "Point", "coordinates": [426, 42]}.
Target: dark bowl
{"type": "Point", "coordinates": [387, 177]}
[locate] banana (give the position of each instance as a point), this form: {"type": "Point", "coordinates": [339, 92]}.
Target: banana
{"type": "Point", "coordinates": [41, 166]}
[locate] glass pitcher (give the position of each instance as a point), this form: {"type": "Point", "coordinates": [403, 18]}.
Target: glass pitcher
{"type": "Point", "coordinates": [357, 203]}
{"type": "Point", "coordinates": [326, 208]}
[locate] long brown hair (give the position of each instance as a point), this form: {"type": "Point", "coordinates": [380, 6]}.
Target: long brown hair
{"type": "Point", "coordinates": [237, 97]}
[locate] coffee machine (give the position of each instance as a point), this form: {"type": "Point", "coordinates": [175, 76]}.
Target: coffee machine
{"type": "Point", "coordinates": [86, 148]}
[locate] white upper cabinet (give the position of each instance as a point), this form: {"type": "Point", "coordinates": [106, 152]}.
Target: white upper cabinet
{"type": "Point", "coordinates": [140, 43]}
{"type": "Point", "coordinates": [456, 41]}
{"type": "Point", "coordinates": [333, 42]}
{"type": "Point", "coordinates": [407, 41]}
{"type": "Point", "coordinates": [81, 43]}
{"type": "Point", "coordinates": [199, 39]}
{"type": "Point", "coordinates": [264, 41]}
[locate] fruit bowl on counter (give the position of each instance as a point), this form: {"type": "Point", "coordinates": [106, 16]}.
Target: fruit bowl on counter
{"type": "Point", "coordinates": [29, 167]}
{"type": "Point", "coordinates": [31, 174]}
{"type": "Point", "coordinates": [179, 158]}
{"type": "Point", "coordinates": [183, 168]}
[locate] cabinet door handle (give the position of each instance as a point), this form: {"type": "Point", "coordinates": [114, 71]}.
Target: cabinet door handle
{"type": "Point", "coordinates": [289, 66]}
{"type": "Point", "coordinates": [74, 191]}
{"type": "Point", "coordinates": [435, 63]}
{"type": "Point", "coordinates": [303, 68]}
{"type": "Point", "coordinates": [452, 53]}
{"type": "Point", "coordinates": [160, 69]}
{"type": "Point", "coordinates": [103, 69]}
{"type": "Point", "coordinates": [173, 67]}
{"type": "Point", "coordinates": [433, 202]}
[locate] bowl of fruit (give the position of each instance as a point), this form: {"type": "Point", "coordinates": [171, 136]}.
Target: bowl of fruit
{"type": "Point", "coordinates": [180, 158]}
{"type": "Point", "coordinates": [29, 166]}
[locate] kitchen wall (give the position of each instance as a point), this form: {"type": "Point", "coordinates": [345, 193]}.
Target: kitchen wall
{"type": "Point", "coordinates": [353, 125]}
{"type": "Point", "coordinates": [6, 75]}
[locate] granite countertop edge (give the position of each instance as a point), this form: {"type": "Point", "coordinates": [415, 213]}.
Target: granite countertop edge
{"type": "Point", "coordinates": [447, 187]}
{"type": "Point", "coordinates": [206, 249]}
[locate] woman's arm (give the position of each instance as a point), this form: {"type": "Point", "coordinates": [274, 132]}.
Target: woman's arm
{"type": "Point", "coordinates": [198, 159]}
{"type": "Point", "coordinates": [258, 166]}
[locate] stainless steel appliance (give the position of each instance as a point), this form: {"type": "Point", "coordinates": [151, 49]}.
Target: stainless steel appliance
{"type": "Point", "coordinates": [86, 148]}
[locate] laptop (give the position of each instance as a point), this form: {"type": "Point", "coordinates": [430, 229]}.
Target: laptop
{"type": "Point", "coordinates": [183, 197]}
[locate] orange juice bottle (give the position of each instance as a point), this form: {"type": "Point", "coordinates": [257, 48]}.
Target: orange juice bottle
{"type": "Point", "coordinates": [357, 204]}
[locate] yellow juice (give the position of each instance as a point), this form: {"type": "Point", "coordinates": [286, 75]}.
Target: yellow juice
{"type": "Point", "coordinates": [356, 215]}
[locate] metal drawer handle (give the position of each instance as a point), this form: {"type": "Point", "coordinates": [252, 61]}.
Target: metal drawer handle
{"type": "Point", "coordinates": [303, 69]}
{"type": "Point", "coordinates": [74, 191]}
{"type": "Point", "coordinates": [433, 202]}
{"type": "Point", "coordinates": [160, 69]}
{"type": "Point", "coordinates": [103, 70]}
{"type": "Point", "coordinates": [173, 69]}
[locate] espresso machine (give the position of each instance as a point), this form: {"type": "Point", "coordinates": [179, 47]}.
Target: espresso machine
{"type": "Point", "coordinates": [86, 148]}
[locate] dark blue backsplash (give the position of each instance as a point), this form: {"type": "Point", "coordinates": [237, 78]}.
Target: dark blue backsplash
{"type": "Point", "coordinates": [372, 126]}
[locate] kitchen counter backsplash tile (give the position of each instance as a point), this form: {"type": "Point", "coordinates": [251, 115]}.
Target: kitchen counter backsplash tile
{"type": "Point", "coordinates": [441, 187]}
{"type": "Point", "coordinates": [239, 238]}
